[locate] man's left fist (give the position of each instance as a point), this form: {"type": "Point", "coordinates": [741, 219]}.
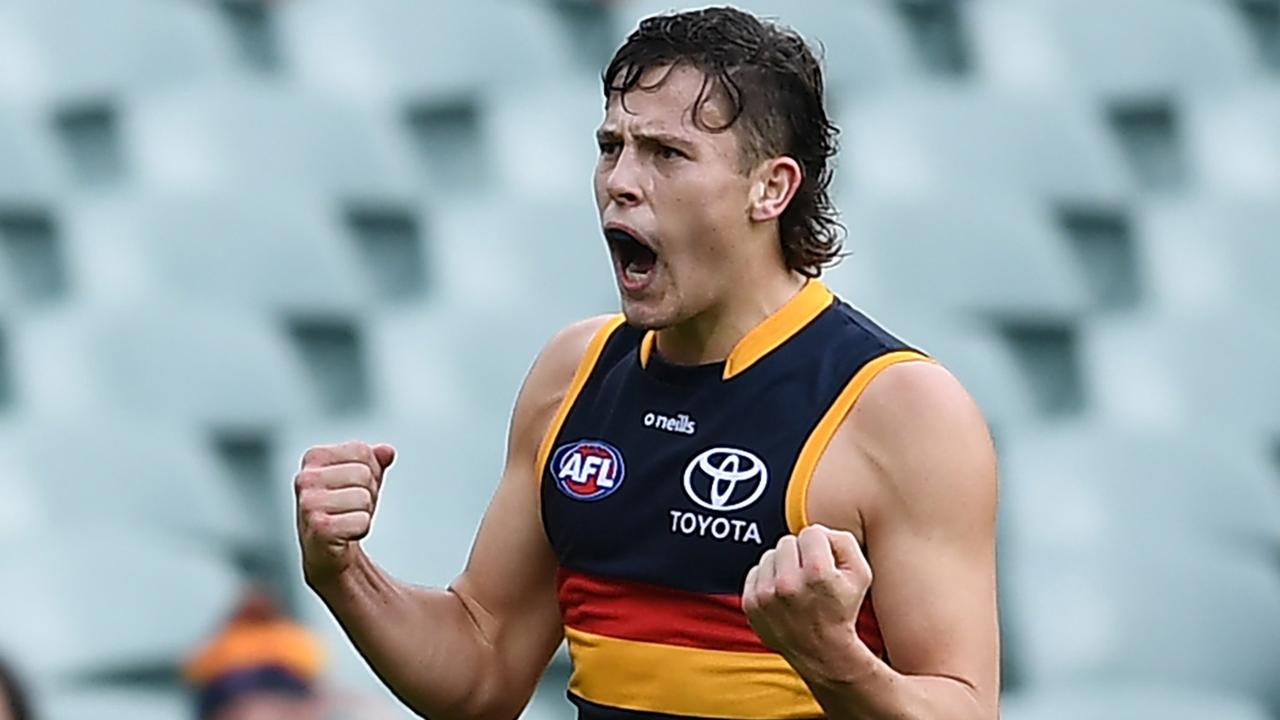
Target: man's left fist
{"type": "Point", "coordinates": [803, 597]}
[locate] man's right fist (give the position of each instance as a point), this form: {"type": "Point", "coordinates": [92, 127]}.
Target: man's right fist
{"type": "Point", "coordinates": [337, 491]}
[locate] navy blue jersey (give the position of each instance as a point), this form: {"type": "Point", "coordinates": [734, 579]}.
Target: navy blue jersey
{"type": "Point", "coordinates": [661, 486]}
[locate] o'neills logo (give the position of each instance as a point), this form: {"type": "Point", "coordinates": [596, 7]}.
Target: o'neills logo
{"type": "Point", "coordinates": [681, 423]}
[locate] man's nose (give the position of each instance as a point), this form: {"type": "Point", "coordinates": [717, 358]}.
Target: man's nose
{"type": "Point", "coordinates": [623, 181]}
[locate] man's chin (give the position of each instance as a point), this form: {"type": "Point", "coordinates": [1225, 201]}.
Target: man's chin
{"type": "Point", "coordinates": [645, 315]}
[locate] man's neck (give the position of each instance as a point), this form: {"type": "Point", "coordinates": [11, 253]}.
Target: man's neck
{"type": "Point", "coordinates": [710, 336]}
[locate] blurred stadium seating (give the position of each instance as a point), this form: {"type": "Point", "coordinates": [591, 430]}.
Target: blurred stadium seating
{"type": "Point", "coordinates": [230, 229]}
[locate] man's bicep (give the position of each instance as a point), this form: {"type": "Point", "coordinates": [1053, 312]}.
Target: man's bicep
{"type": "Point", "coordinates": [931, 535]}
{"type": "Point", "coordinates": [935, 602]}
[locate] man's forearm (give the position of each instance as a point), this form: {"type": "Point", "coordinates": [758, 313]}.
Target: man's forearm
{"type": "Point", "coordinates": [865, 688]}
{"type": "Point", "coordinates": [424, 644]}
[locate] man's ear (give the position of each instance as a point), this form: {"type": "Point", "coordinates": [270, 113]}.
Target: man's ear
{"type": "Point", "coordinates": [776, 182]}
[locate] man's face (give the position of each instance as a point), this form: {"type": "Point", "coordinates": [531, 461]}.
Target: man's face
{"type": "Point", "coordinates": [673, 199]}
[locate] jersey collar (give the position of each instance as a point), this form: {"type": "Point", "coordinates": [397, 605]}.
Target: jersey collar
{"type": "Point", "coordinates": [764, 338]}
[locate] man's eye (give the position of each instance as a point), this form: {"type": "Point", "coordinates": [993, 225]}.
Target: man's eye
{"type": "Point", "coordinates": [666, 152]}
{"type": "Point", "coordinates": [609, 148]}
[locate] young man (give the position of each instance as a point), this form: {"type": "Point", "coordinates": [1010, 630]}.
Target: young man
{"type": "Point", "coordinates": [704, 493]}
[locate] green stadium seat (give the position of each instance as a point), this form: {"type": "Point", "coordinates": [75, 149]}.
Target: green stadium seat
{"type": "Point", "coordinates": [1211, 258]}
{"type": "Point", "coordinates": [70, 50]}
{"type": "Point", "coordinates": [497, 252]}
{"type": "Point", "coordinates": [929, 143]}
{"type": "Point", "coordinates": [284, 253]}
{"type": "Point", "coordinates": [1232, 143]}
{"type": "Point", "coordinates": [103, 597]}
{"type": "Point", "coordinates": [1088, 46]}
{"type": "Point", "coordinates": [10, 287]}
{"type": "Point", "coordinates": [47, 364]}
{"type": "Point", "coordinates": [972, 258]}
{"type": "Point", "coordinates": [207, 367]}
{"type": "Point", "coordinates": [1174, 373]}
{"type": "Point", "coordinates": [153, 476]}
{"type": "Point", "coordinates": [266, 140]}
{"type": "Point", "coordinates": [1111, 701]}
{"type": "Point", "coordinates": [393, 51]}
{"type": "Point", "coordinates": [543, 140]}
{"type": "Point", "coordinates": [22, 514]}
{"type": "Point", "coordinates": [1092, 486]}
{"type": "Point", "coordinates": [1185, 617]}
{"type": "Point", "coordinates": [30, 169]}
{"type": "Point", "coordinates": [416, 364]}
{"type": "Point", "coordinates": [437, 361]}
{"type": "Point", "coordinates": [1147, 557]}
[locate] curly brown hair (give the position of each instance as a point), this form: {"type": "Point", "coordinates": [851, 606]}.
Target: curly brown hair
{"type": "Point", "coordinates": [772, 82]}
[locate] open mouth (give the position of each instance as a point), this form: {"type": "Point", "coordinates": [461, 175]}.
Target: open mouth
{"type": "Point", "coordinates": [635, 260]}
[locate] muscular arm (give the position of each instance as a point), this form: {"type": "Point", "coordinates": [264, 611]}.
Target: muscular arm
{"type": "Point", "coordinates": [911, 473]}
{"type": "Point", "coordinates": [477, 648]}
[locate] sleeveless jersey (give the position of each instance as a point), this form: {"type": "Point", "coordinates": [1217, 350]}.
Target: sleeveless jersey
{"type": "Point", "coordinates": [661, 486]}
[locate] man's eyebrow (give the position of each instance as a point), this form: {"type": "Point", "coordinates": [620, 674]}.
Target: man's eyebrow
{"type": "Point", "coordinates": [662, 138]}
{"type": "Point", "coordinates": [651, 137]}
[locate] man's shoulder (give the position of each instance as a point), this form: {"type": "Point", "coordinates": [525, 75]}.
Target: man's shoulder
{"type": "Point", "coordinates": [904, 393]}
{"type": "Point", "coordinates": [560, 357]}
{"type": "Point", "coordinates": [549, 380]}
{"type": "Point", "coordinates": [556, 366]}
{"type": "Point", "coordinates": [917, 425]}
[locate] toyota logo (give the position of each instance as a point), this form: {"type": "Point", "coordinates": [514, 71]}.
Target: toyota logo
{"type": "Point", "coordinates": [725, 479]}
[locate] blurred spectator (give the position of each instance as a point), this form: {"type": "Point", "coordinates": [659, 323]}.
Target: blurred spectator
{"type": "Point", "coordinates": [260, 666]}
{"type": "Point", "coordinates": [13, 699]}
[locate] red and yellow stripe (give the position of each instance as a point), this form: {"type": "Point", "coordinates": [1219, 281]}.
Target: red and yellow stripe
{"type": "Point", "coordinates": [649, 648]}
{"type": "Point", "coordinates": [655, 614]}
{"type": "Point", "coordinates": [675, 680]}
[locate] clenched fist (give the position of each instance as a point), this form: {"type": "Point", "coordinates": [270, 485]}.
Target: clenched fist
{"type": "Point", "coordinates": [804, 596]}
{"type": "Point", "coordinates": [337, 491]}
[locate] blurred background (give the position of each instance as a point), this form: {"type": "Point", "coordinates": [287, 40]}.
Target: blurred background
{"type": "Point", "coordinates": [231, 229]}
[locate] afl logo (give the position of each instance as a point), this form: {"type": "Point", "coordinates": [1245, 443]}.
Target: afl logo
{"type": "Point", "coordinates": [588, 469]}
{"type": "Point", "coordinates": [725, 479]}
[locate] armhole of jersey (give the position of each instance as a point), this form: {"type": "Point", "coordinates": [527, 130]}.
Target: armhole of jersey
{"type": "Point", "coordinates": [798, 489]}
{"type": "Point", "coordinates": [580, 376]}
